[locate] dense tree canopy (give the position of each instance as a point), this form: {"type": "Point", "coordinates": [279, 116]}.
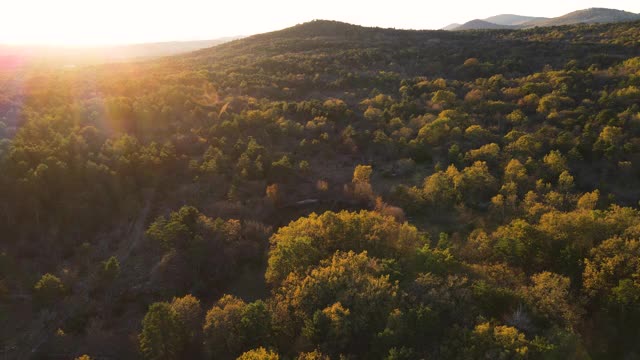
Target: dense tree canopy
{"type": "Point", "coordinates": [328, 191]}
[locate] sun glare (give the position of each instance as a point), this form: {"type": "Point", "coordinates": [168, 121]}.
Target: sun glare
{"type": "Point", "coordinates": [98, 22]}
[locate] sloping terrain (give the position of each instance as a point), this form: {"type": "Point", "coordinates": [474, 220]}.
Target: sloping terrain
{"type": "Point", "coordinates": [482, 25]}
{"type": "Point", "coordinates": [511, 19]}
{"type": "Point", "coordinates": [588, 16]}
{"type": "Point", "coordinates": [451, 26]}
{"type": "Point", "coordinates": [357, 193]}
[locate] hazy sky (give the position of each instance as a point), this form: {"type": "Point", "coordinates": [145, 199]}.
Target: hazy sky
{"type": "Point", "coordinates": [86, 22]}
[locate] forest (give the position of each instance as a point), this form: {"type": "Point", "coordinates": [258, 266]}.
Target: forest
{"type": "Point", "coordinates": [328, 191]}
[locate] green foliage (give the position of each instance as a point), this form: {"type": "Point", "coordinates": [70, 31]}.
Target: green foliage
{"type": "Point", "coordinates": [259, 354]}
{"type": "Point", "coordinates": [315, 355]}
{"type": "Point", "coordinates": [161, 337]}
{"type": "Point", "coordinates": [555, 162]}
{"type": "Point", "coordinates": [110, 269]}
{"type": "Point", "coordinates": [440, 189]}
{"type": "Point", "coordinates": [499, 342]}
{"type": "Point", "coordinates": [199, 241]}
{"type": "Point", "coordinates": [612, 265]}
{"type": "Point", "coordinates": [343, 301]}
{"type": "Point", "coordinates": [360, 184]}
{"type": "Point", "coordinates": [362, 174]}
{"type": "Point", "coordinates": [188, 314]}
{"type": "Point", "coordinates": [526, 161]}
{"type": "Point", "coordinates": [48, 290]}
{"type": "Point", "coordinates": [444, 97]}
{"type": "Point", "coordinates": [549, 294]}
{"type": "Point", "coordinates": [181, 230]}
{"type": "Point", "coordinates": [231, 326]}
{"type": "Point", "coordinates": [330, 328]}
{"type": "Point", "coordinates": [169, 329]}
{"type": "Point", "coordinates": [307, 241]}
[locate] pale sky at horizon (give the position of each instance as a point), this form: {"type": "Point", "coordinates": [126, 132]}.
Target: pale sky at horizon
{"type": "Point", "coordinates": [99, 22]}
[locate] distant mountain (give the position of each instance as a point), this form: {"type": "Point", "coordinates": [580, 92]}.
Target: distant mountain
{"type": "Point", "coordinates": [482, 25]}
{"type": "Point", "coordinates": [147, 50]}
{"type": "Point", "coordinates": [451, 26]}
{"type": "Point", "coordinates": [17, 55]}
{"type": "Point", "coordinates": [509, 21]}
{"type": "Point", "coordinates": [588, 16]}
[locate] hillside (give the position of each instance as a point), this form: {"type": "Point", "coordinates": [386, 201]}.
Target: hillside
{"type": "Point", "coordinates": [481, 25]}
{"type": "Point", "coordinates": [588, 16]}
{"type": "Point", "coordinates": [451, 26]}
{"type": "Point", "coordinates": [511, 19]}
{"type": "Point", "coordinates": [328, 191]}
{"type": "Point", "coordinates": [332, 48]}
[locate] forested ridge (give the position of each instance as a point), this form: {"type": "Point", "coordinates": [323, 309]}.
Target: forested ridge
{"type": "Point", "coordinates": [328, 191]}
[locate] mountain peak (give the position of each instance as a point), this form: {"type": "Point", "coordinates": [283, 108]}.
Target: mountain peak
{"type": "Point", "coordinates": [512, 19]}
{"type": "Point", "coordinates": [586, 16]}
{"type": "Point", "coordinates": [321, 28]}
